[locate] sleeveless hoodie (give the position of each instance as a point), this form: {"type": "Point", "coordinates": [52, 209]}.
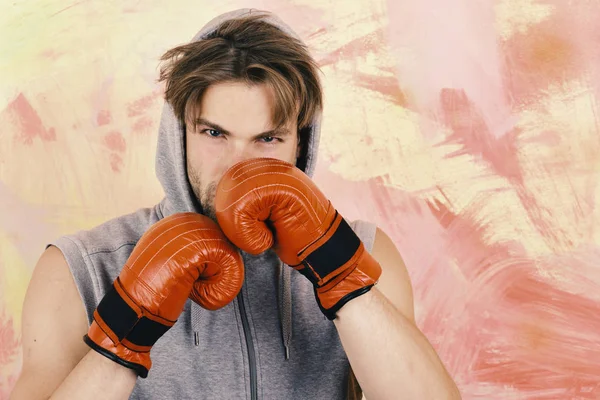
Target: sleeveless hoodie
{"type": "Point", "coordinates": [271, 342]}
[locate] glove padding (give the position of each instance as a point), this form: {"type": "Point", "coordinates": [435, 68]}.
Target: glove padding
{"type": "Point", "coordinates": [183, 255]}
{"type": "Point", "coordinates": [263, 202]}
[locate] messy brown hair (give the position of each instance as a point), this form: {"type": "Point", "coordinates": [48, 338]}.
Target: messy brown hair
{"type": "Point", "coordinates": [246, 49]}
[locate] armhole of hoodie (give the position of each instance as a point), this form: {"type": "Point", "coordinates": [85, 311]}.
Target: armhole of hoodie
{"type": "Point", "coordinates": [366, 232]}
{"type": "Point", "coordinates": [82, 270]}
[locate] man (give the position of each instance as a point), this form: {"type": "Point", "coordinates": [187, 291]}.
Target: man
{"type": "Point", "coordinates": [244, 89]}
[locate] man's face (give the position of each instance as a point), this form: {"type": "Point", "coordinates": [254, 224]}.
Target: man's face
{"type": "Point", "coordinates": [235, 123]}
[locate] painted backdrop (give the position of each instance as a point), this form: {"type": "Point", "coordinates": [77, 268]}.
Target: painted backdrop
{"type": "Point", "coordinates": [468, 130]}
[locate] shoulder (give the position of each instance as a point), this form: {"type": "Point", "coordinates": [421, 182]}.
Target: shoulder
{"type": "Point", "coordinates": [114, 233]}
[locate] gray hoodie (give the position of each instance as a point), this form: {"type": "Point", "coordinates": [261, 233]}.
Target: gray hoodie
{"type": "Point", "coordinates": [271, 342]}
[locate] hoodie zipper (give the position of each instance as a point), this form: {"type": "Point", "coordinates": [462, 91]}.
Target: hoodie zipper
{"type": "Point", "coordinates": [250, 346]}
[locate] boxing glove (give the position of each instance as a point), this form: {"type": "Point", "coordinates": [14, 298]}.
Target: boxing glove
{"type": "Point", "coordinates": [267, 203]}
{"type": "Point", "coordinates": [182, 256]}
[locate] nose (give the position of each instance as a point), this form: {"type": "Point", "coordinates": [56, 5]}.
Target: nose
{"type": "Point", "coordinates": [238, 152]}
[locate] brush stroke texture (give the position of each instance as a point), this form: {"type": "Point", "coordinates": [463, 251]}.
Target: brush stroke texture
{"type": "Point", "coordinates": [467, 130]}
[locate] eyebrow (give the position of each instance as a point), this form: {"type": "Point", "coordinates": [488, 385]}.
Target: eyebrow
{"type": "Point", "coordinates": [273, 132]}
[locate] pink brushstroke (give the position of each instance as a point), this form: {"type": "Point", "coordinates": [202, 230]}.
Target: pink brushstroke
{"type": "Point", "coordinates": [141, 105]}
{"type": "Point", "coordinates": [492, 318]}
{"type": "Point", "coordinates": [143, 125]}
{"type": "Point", "coordinates": [551, 52]}
{"type": "Point", "coordinates": [115, 142]}
{"type": "Point", "coordinates": [502, 155]}
{"type": "Point", "coordinates": [451, 44]}
{"type": "Point", "coordinates": [103, 118]}
{"type": "Point", "coordinates": [517, 329]}
{"type": "Point", "coordinates": [503, 329]}
{"type": "Point", "coordinates": [116, 162]}
{"type": "Point", "coordinates": [386, 86]}
{"type": "Point", "coordinates": [469, 129]}
{"type": "Point", "coordinates": [355, 48]}
{"type": "Point", "coordinates": [10, 351]}
{"type": "Point", "coordinates": [9, 341]}
{"type": "Point", "coordinates": [101, 101]}
{"type": "Point", "coordinates": [27, 123]}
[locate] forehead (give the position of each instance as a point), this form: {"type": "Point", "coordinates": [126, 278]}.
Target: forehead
{"type": "Point", "coordinates": [239, 107]}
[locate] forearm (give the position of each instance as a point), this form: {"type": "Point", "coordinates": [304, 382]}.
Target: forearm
{"type": "Point", "coordinates": [97, 377]}
{"type": "Point", "coordinates": [388, 354]}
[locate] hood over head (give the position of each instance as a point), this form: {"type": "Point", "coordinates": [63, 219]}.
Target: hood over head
{"type": "Point", "coordinates": [171, 167]}
{"type": "Point", "coordinates": [171, 170]}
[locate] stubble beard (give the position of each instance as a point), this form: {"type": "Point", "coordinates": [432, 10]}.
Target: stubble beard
{"type": "Point", "coordinates": [205, 197]}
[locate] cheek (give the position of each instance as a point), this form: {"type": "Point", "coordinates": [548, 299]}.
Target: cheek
{"type": "Point", "coordinates": [203, 158]}
{"type": "Point", "coordinates": [288, 152]}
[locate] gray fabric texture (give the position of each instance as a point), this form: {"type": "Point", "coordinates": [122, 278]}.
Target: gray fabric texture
{"type": "Point", "coordinates": [298, 353]}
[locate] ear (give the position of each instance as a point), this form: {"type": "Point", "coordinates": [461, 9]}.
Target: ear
{"type": "Point", "coordinates": [299, 144]}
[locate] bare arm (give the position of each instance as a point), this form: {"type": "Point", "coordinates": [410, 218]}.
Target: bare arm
{"type": "Point", "coordinates": [389, 355]}
{"type": "Point", "coordinates": [97, 377]}
{"type": "Point", "coordinates": [57, 364]}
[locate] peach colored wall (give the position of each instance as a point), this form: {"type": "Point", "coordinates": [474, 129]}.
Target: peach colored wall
{"type": "Point", "coordinates": [468, 130]}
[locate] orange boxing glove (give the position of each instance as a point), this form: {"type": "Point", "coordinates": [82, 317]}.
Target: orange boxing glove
{"type": "Point", "coordinates": [183, 255]}
{"type": "Point", "coordinates": [263, 202]}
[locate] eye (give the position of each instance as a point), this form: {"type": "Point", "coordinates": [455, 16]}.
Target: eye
{"type": "Point", "coordinates": [270, 139]}
{"type": "Point", "coordinates": [212, 132]}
